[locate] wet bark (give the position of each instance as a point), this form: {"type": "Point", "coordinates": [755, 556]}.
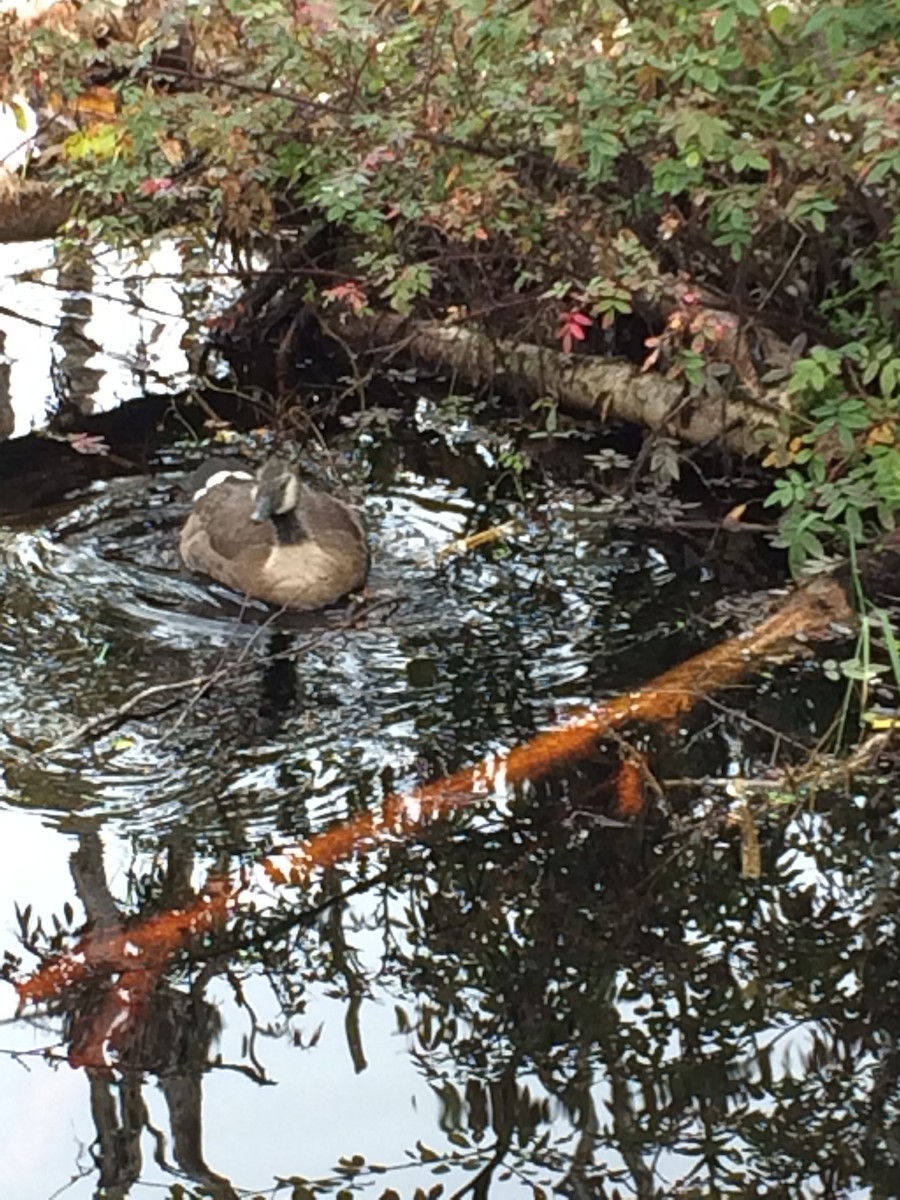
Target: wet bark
{"type": "Point", "coordinates": [31, 211]}
{"type": "Point", "coordinates": [584, 386]}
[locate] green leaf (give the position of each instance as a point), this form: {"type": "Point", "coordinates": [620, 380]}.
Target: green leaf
{"type": "Point", "coordinates": [835, 34]}
{"type": "Point", "coordinates": [812, 544]}
{"type": "Point", "coordinates": [711, 131]}
{"type": "Point", "coordinates": [779, 17]}
{"type": "Point", "coordinates": [757, 160]}
{"type": "Point", "coordinates": [854, 526]}
{"type": "Point", "coordinates": [817, 469]}
{"type": "Point", "coordinates": [884, 166]}
{"type": "Point", "coordinates": [725, 23]}
{"type": "Point", "coordinates": [887, 380]}
{"type": "Point", "coordinates": [871, 370]}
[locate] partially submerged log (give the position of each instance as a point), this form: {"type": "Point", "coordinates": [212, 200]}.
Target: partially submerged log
{"type": "Point", "coordinates": [121, 957]}
{"type": "Point", "coordinates": [818, 610]}
{"type": "Point", "coordinates": [31, 211]}
{"type": "Point", "coordinates": [581, 385]}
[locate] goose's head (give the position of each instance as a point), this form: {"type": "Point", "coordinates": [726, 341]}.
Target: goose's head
{"type": "Point", "coordinates": [277, 490]}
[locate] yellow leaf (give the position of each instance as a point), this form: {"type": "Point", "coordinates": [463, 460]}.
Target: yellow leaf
{"type": "Point", "coordinates": [98, 102]}
{"type": "Point", "coordinates": [751, 859]}
{"type": "Point", "coordinates": [777, 458]}
{"type": "Point", "coordinates": [882, 434]}
{"type": "Point", "coordinates": [102, 141]}
{"type": "Point", "coordinates": [735, 516]}
{"type": "Point", "coordinates": [171, 149]}
{"type": "Point", "coordinates": [779, 17]}
{"type": "Point", "coordinates": [881, 721]}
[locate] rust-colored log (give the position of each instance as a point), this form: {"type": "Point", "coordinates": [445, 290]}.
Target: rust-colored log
{"type": "Point", "coordinates": [149, 946]}
{"type": "Point", "coordinates": [810, 612]}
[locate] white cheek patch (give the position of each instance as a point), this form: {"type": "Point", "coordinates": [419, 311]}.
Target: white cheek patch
{"type": "Point", "coordinates": [220, 477]}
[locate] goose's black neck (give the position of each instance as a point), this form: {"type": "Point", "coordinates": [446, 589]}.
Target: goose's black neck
{"type": "Point", "coordinates": [289, 527]}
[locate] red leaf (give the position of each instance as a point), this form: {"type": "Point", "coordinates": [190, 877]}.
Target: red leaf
{"type": "Point", "coordinates": [349, 294]}
{"type": "Point", "coordinates": [149, 187]}
{"type": "Point", "coordinates": [87, 443]}
{"type": "Point", "coordinates": [572, 327]}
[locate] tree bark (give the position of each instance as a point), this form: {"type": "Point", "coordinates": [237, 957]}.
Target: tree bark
{"type": "Point", "coordinates": [582, 385]}
{"type": "Point", "coordinates": [31, 211]}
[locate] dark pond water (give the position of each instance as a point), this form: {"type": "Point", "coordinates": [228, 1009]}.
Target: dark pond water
{"type": "Point", "coordinates": [529, 998]}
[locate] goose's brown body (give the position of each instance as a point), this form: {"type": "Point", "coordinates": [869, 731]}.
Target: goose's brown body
{"type": "Point", "coordinates": [276, 539]}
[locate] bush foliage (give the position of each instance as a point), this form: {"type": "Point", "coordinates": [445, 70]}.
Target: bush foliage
{"type": "Point", "coordinates": [548, 170]}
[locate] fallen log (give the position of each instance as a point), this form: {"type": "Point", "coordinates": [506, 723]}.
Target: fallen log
{"type": "Point", "coordinates": [581, 385]}
{"type": "Point", "coordinates": [31, 211]}
{"type": "Point", "coordinates": [813, 611]}
{"type": "Point", "coordinates": [816, 610]}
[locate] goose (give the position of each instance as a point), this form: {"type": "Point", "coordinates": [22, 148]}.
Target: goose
{"type": "Point", "coordinates": [275, 538]}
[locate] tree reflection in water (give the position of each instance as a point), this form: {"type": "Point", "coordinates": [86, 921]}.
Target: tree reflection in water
{"type": "Point", "coordinates": [598, 1008]}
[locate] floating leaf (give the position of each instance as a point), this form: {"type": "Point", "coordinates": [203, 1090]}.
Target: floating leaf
{"type": "Point", "coordinates": [751, 857]}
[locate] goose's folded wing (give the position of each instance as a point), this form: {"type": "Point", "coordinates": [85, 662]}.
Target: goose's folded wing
{"type": "Point", "coordinates": [219, 531]}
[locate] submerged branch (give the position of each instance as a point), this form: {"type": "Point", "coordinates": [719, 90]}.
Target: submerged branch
{"type": "Point", "coordinates": [812, 611]}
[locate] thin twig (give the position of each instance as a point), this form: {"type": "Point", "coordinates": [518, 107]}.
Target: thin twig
{"type": "Point", "coordinates": [801, 242]}
{"type": "Point", "coordinates": [106, 721]}
{"type": "Point", "coordinates": [222, 670]}
{"type": "Point", "coordinates": [110, 720]}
